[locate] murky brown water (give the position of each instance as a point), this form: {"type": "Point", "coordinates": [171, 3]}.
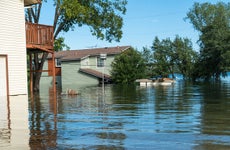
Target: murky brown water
{"type": "Point", "coordinates": [182, 116]}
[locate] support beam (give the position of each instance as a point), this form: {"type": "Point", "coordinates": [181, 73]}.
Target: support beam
{"type": "Point", "coordinates": [54, 77]}
{"type": "Point", "coordinates": [39, 70]}
{"type": "Point", "coordinates": [31, 75]}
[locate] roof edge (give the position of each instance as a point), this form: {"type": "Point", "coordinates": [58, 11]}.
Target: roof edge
{"type": "Point", "coordinates": [84, 53]}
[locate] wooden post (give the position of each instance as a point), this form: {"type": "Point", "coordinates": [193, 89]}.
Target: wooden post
{"type": "Point", "coordinates": [54, 76]}
{"type": "Point", "coordinates": [31, 75]}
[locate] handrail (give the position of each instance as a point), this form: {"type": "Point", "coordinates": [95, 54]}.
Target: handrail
{"type": "Point", "coordinates": [40, 35]}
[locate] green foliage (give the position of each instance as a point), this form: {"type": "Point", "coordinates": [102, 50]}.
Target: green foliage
{"type": "Point", "coordinates": [149, 61]}
{"type": "Point", "coordinates": [171, 57]}
{"type": "Point", "coordinates": [128, 66]}
{"type": "Point", "coordinates": [102, 16]}
{"type": "Point", "coordinates": [184, 56]}
{"type": "Point", "coordinates": [59, 44]}
{"type": "Point", "coordinates": [163, 57]}
{"type": "Point", "coordinates": [212, 21]}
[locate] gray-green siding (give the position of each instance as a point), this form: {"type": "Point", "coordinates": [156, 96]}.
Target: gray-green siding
{"type": "Point", "coordinates": [72, 78]}
{"type": "Point", "coordinates": [108, 62]}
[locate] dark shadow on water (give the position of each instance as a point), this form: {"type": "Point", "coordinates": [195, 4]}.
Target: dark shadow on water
{"type": "Point", "coordinates": [215, 108]}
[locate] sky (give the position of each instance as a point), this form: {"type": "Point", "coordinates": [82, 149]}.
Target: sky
{"type": "Point", "coordinates": [143, 21]}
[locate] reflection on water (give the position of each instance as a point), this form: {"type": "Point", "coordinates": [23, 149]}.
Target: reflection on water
{"type": "Point", "coordinates": [43, 122]}
{"type": "Point", "coordinates": [182, 116]}
{"type": "Point", "coordinates": [14, 132]}
{"type": "Point", "coordinates": [216, 109]}
{"type": "Point", "coordinates": [4, 122]}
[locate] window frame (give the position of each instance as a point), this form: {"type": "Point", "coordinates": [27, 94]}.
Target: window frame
{"type": "Point", "coordinates": [100, 62]}
{"type": "Point", "coordinates": [57, 63]}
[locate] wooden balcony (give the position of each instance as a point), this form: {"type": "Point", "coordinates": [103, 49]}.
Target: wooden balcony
{"type": "Point", "coordinates": [39, 37]}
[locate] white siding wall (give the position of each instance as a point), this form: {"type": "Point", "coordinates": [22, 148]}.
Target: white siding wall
{"type": "Point", "coordinates": [12, 43]}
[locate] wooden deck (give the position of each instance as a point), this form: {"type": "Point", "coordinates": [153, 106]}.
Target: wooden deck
{"type": "Point", "coordinates": [39, 37]}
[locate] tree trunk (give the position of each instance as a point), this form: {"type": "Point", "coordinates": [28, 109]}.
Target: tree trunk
{"type": "Point", "coordinates": [39, 61]}
{"type": "Point", "coordinates": [36, 81]}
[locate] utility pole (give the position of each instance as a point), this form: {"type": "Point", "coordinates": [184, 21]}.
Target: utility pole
{"type": "Point", "coordinates": [103, 58]}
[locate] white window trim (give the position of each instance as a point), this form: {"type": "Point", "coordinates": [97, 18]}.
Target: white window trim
{"type": "Point", "coordinates": [57, 62]}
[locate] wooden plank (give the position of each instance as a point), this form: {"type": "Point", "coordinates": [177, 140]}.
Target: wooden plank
{"type": "Point", "coordinates": [40, 70]}
{"type": "Point", "coordinates": [37, 34]}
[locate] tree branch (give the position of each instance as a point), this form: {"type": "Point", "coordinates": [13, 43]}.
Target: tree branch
{"type": "Point", "coordinates": [59, 29]}
{"type": "Point", "coordinates": [29, 15]}
{"type": "Point", "coordinates": [56, 16]}
{"type": "Point", "coordinates": [39, 11]}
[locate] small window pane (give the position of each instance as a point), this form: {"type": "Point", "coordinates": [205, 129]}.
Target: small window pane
{"type": "Point", "coordinates": [58, 62]}
{"type": "Point", "coordinates": [100, 62]}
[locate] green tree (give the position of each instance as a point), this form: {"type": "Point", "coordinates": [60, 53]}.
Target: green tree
{"type": "Point", "coordinates": [128, 66]}
{"type": "Point", "coordinates": [163, 57]}
{"type": "Point", "coordinates": [212, 22]}
{"type": "Point", "coordinates": [175, 56]}
{"type": "Point", "coordinates": [149, 61]}
{"type": "Point", "coordinates": [184, 55]}
{"type": "Point", "coordinates": [103, 17]}
{"type": "Point", "coordinates": [59, 44]}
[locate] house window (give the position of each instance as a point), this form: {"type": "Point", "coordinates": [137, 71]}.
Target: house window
{"type": "Point", "coordinates": [100, 62]}
{"type": "Point", "coordinates": [57, 62]}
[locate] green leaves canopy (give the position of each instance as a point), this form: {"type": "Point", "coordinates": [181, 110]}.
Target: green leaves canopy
{"type": "Point", "coordinates": [162, 54]}
{"type": "Point", "coordinates": [184, 56]}
{"type": "Point", "coordinates": [59, 44]}
{"type": "Point", "coordinates": [128, 66]}
{"type": "Point", "coordinates": [213, 23]}
{"type": "Point", "coordinates": [175, 56]}
{"type": "Point", "coordinates": [102, 16]}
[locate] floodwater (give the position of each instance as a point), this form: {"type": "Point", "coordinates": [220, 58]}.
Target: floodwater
{"type": "Point", "coordinates": [183, 116]}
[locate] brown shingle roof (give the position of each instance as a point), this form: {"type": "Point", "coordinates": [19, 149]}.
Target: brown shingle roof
{"type": "Point", "coordinates": [79, 54]}
{"type": "Point", "coordinates": [94, 73]}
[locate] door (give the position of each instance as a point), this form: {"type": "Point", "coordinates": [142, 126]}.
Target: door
{"type": "Point", "coordinates": [3, 76]}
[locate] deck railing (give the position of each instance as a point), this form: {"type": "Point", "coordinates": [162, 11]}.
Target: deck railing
{"type": "Point", "coordinates": [39, 35]}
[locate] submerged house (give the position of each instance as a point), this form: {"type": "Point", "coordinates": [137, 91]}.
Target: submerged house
{"type": "Point", "coordinates": [75, 68]}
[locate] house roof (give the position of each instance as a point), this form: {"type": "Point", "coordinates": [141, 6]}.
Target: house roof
{"type": "Point", "coordinates": [94, 73]}
{"type": "Point", "coordinates": [79, 54]}
{"type": "Point", "coordinates": [31, 2]}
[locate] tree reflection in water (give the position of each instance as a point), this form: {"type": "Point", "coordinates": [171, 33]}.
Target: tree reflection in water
{"type": "Point", "coordinates": [182, 116]}
{"type": "Point", "coordinates": [43, 122]}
